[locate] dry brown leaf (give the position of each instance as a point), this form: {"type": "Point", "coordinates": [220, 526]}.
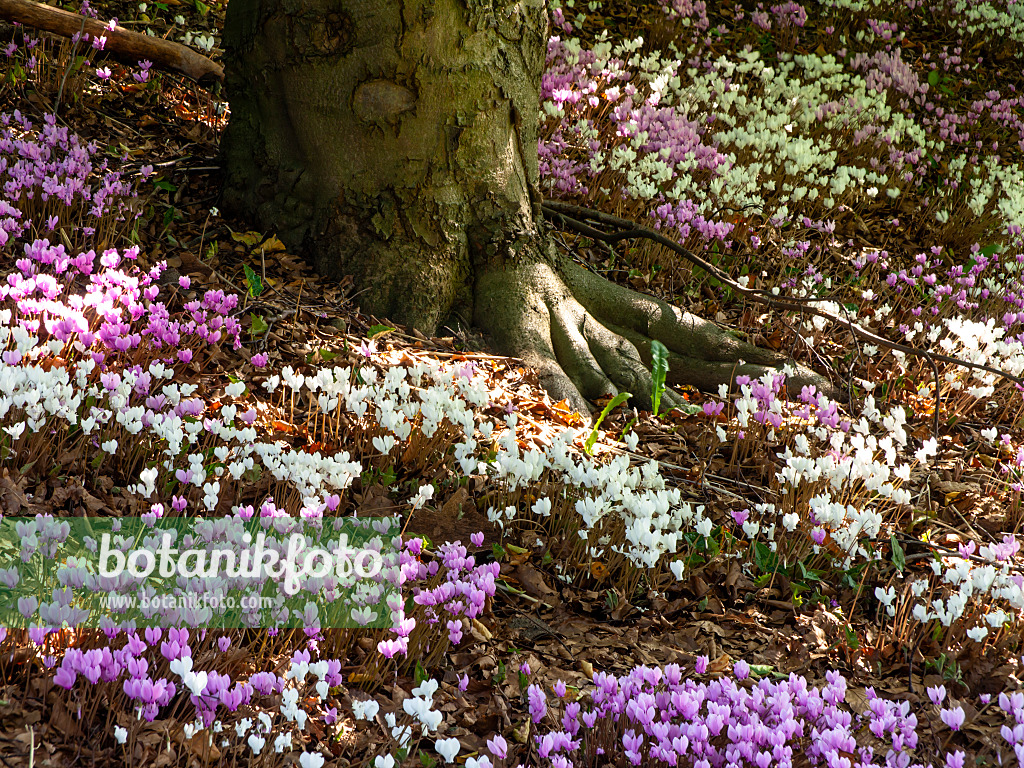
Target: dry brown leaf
{"type": "Point", "coordinates": [534, 584]}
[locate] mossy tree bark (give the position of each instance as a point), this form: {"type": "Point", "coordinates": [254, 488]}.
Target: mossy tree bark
{"type": "Point", "coordinates": [396, 141]}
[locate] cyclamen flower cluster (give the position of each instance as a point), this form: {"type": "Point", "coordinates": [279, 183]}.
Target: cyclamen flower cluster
{"type": "Point", "coordinates": [129, 662]}
{"type": "Point", "coordinates": [661, 716]}
{"type": "Point", "coordinates": [933, 303]}
{"type": "Point", "coordinates": [687, 12]}
{"type": "Point", "coordinates": [839, 480]}
{"type": "Point", "coordinates": [688, 133]}
{"type": "Point", "coordinates": [464, 591]}
{"type": "Point", "coordinates": [447, 592]}
{"type": "Point", "coordinates": [49, 181]}
{"type": "Point", "coordinates": [118, 310]}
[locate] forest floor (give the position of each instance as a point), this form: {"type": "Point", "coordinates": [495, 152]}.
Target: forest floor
{"type": "Point", "coordinates": [722, 609]}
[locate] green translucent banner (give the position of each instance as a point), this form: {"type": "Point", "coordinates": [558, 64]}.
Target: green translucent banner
{"type": "Point", "coordinates": [215, 573]}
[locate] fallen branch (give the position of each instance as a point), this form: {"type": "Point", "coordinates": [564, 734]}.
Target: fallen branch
{"type": "Point", "coordinates": [572, 217]}
{"type": "Point", "coordinates": [124, 44]}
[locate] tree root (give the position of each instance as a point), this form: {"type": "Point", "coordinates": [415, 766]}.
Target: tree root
{"type": "Point", "coordinates": [588, 338]}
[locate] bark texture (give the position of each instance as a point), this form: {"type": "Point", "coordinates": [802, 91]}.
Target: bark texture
{"type": "Point", "coordinates": [396, 141]}
{"type": "Point", "coordinates": [386, 138]}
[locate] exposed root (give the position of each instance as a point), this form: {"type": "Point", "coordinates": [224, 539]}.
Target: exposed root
{"type": "Point", "coordinates": [588, 337]}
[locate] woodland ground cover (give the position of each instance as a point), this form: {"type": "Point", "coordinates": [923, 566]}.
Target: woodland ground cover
{"type": "Point", "coordinates": [157, 361]}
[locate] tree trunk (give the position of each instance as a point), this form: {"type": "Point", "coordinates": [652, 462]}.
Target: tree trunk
{"type": "Point", "coordinates": [396, 141]}
{"type": "Point", "coordinates": [386, 140]}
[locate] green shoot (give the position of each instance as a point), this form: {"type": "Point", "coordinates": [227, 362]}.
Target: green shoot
{"type": "Point", "coordinates": [659, 371]}
{"type": "Point", "coordinates": [614, 403]}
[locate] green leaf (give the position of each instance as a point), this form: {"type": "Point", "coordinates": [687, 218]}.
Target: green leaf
{"type": "Point", "coordinates": [764, 558]}
{"type": "Point", "coordinates": [378, 330]}
{"type": "Point", "coordinates": [761, 670]}
{"type": "Point", "coordinates": [851, 637]}
{"type": "Point", "coordinates": [165, 185]}
{"type": "Point", "coordinates": [933, 78]}
{"type": "Point", "coordinates": [614, 403]}
{"type": "Point", "coordinates": [420, 674]}
{"type": "Point", "coordinates": [259, 325]}
{"type": "Point", "coordinates": [255, 284]}
{"type": "Point", "coordinates": [808, 573]}
{"type": "Point", "coordinates": [626, 429]}
{"type": "Point", "coordinates": [988, 250]}
{"type": "Point", "coordinates": [659, 354]}
{"type": "Point", "coordinates": [426, 760]}
{"type": "Point", "coordinates": [499, 552]}
{"type": "Point", "coordinates": [899, 558]}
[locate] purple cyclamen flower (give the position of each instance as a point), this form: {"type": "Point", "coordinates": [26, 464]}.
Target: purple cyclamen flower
{"type": "Point", "coordinates": [538, 703]}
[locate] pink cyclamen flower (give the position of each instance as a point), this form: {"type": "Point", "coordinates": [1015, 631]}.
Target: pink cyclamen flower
{"type": "Point", "coordinates": [954, 718]}
{"type": "Point", "coordinates": [498, 746]}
